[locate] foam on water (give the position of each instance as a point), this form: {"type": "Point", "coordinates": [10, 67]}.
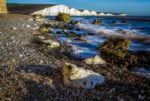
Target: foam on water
{"type": "Point", "coordinates": [83, 52]}
{"type": "Point", "coordinates": [104, 30]}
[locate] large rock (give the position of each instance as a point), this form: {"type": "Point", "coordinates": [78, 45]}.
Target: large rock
{"type": "Point", "coordinates": [78, 77]}
{"type": "Point", "coordinates": [94, 60]}
{"type": "Point", "coordinates": [63, 17]}
{"type": "Point", "coordinates": [115, 52]}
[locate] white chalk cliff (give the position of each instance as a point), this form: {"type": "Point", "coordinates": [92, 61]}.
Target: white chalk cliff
{"type": "Point", "coordinates": [55, 10]}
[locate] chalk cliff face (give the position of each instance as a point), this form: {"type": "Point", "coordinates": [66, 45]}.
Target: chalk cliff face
{"type": "Point", "coordinates": [56, 9]}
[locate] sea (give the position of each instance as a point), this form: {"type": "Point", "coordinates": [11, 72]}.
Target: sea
{"type": "Point", "coordinates": [96, 35]}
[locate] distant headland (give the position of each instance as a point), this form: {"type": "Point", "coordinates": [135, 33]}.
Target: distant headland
{"type": "Point", "coordinates": [53, 9]}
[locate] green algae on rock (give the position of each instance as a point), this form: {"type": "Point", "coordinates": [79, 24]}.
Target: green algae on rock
{"type": "Point", "coordinates": [63, 17]}
{"type": "Point", "coordinates": [45, 28]}
{"type": "Point", "coordinates": [115, 52]}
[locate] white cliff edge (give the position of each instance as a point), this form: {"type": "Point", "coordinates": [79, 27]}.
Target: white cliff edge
{"type": "Point", "coordinates": [55, 10]}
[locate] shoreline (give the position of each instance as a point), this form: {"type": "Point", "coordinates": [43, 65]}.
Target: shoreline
{"type": "Point", "coordinates": [37, 69]}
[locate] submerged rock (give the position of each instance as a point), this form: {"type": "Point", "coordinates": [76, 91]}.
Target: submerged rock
{"type": "Point", "coordinates": [74, 22]}
{"type": "Point", "coordinates": [71, 34]}
{"type": "Point", "coordinates": [114, 22]}
{"type": "Point", "coordinates": [115, 51]}
{"type": "Point", "coordinates": [97, 22]}
{"type": "Point", "coordinates": [58, 32]}
{"type": "Point", "coordinates": [78, 77]}
{"type": "Point", "coordinates": [94, 60]}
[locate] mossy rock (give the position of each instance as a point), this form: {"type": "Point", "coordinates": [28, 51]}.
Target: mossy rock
{"type": "Point", "coordinates": [97, 22]}
{"type": "Point", "coordinates": [45, 28]}
{"type": "Point", "coordinates": [63, 17]}
{"type": "Point", "coordinates": [115, 52]}
{"type": "Point", "coordinates": [115, 43]}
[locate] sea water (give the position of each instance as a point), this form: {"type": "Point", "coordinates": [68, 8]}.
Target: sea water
{"type": "Point", "coordinates": [138, 26]}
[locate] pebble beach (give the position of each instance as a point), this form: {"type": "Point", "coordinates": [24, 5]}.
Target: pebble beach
{"type": "Point", "coordinates": [31, 72]}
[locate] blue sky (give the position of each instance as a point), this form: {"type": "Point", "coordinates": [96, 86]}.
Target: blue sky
{"type": "Point", "coordinates": [131, 7]}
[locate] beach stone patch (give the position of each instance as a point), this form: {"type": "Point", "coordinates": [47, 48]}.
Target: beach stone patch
{"type": "Point", "coordinates": [94, 60]}
{"type": "Point", "coordinates": [80, 78]}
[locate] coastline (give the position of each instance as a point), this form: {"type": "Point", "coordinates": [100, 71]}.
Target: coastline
{"type": "Point", "coordinates": [37, 69]}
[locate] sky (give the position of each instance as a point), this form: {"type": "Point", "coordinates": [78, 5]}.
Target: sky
{"type": "Point", "coordinates": [130, 7]}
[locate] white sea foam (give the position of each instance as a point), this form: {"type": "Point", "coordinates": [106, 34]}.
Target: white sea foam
{"type": "Point", "coordinates": [104, 30]}
{"type": "Point", "coordinates": [83, 52]}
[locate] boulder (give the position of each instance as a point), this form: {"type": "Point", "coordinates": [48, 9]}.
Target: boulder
{"type": "Point", "coordinates": [115, 52]}
{"type": "Point", "coordinates": [94, 60]}
{"type": "Point", "coordinates": [81, 78]}
{"type": "Point", "coordinates": [63, 17]}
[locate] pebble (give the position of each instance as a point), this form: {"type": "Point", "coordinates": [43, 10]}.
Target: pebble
{"type": "Point", "coordinates": [13, 28]}
{"type": "Point", "coordinates": [28, 26]}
